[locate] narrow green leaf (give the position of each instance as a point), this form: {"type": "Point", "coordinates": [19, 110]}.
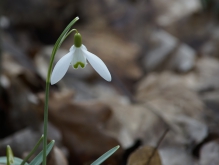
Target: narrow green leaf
{"type": "Point", "coordinates": [33, 150]}
{"type": "Point", "coordinates": [10, 155]}
{"type": "Point", "coordinates": [105, 156]}
{"type": "Point", "coordinates": [39, 158]}
{"type": "Point", "coordinates": [17, 161]}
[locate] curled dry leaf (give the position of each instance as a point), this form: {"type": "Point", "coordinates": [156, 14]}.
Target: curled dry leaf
{"type": "Point", "coordinates": [130, 122]}
{"type": "Point", "coordinates": [179, 107]}
{"type": "Point", "coordinates": [82, 128]}
{"type": "Point", "coordinates": [142, 155]}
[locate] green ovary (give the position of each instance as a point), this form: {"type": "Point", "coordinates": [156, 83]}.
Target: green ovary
{"type": "Point", "coordinates": [79, 63]}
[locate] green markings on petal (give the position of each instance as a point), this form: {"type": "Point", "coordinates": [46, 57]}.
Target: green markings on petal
{"type": "Point", "coordinates": [77, 65]}
{"type": "Point", "coordinates": [77, 40]}
{"type": "Point", "coordinates": [78, 59]}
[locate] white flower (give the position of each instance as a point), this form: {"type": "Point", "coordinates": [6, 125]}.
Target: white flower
{"type": "Point", "coordinates": [78, 56]}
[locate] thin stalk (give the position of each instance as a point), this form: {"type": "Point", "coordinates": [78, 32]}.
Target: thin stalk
{"type": "Point", "coordinates": [70, 33]}
{"type": "Point", "coordinates": [0, 55]}
{"type": "Point", "coordinates": [33, 150]}
{"type": "Point", "coordinates": [156, 148]}
{"type": "Point", "coordinates": [56, 46]}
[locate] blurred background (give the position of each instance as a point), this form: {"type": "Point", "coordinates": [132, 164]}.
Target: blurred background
{"type": "Point", "coordinates": [163, 57]}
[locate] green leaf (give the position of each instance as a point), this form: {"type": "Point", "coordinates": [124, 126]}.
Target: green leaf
{"type": "Point", "coordinates": [33, 150]}
{"type": "Point", "coordinates": [17, 161]}
{"type": "Point", "coordinates": [10, 155]}
{"type": "Point", "coordinates": [39, 158]}
{"type": "Point", "coordinates": [105, 156]}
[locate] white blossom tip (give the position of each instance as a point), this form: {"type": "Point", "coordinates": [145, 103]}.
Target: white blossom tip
{"type": "Point", "coordinates": [107, 76]}
{"type": "Point", "coordinates": [110, 79]}
{"type": "Point", "coordinates": [98, 65]}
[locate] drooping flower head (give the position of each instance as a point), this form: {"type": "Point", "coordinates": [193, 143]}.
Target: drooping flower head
{"type": "Point", "coordinates": [77, 57]}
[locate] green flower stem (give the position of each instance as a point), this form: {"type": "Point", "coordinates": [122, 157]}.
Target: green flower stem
{"type": "Point", "coordinates": [33, 150]}
{"type": "Point", "coordinates": [0, 53]}
{"type": "Point", "coordinates": [55, 48]}
{"type": "Point", "coordinates": [70, 32]}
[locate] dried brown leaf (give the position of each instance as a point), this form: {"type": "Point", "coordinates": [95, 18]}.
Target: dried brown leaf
{"type": "Point", "coordinates": [142, 155]}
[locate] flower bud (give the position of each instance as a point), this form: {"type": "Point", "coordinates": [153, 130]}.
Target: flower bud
{"type": "Point", "coordinates": [77, 40]}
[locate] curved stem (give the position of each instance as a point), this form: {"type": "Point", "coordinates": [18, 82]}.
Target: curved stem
{"type": "Point", "coordinates": [71, 31]}
{"type": "Point", "coordinates": [56, 46]}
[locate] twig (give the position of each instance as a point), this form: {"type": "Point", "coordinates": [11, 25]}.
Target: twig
{"type": "Point", "coordinates": [157, 146]}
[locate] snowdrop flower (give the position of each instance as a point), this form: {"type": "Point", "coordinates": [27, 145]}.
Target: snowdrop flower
{"type": "Point", "coordinates": [77, 57]}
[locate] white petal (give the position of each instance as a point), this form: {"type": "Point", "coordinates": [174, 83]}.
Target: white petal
{"type": "Point", "coordinates": [72, 48]}
{"type": "Point", "coordinates": [83, 47]}
{"type": "Point", "coordinates": [98, 65]}
{"type": "Point", "coordinates": [61, 68]}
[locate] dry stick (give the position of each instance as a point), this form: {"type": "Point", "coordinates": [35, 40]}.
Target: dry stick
{"type": "Point", "coordinates": [158, 144]}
